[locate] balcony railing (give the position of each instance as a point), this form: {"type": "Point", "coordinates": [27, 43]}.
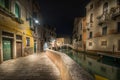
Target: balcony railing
{"type": "Point", "coordinates": [103, 19]}
{"type": "Point", "coordinates": [115, 11]}
{"type": "Point", "coordinates": [113, 31]}
{"type": "Point", "coordinates": [98, 34]}
{"type": "Point", "coordinates": [8, 13]}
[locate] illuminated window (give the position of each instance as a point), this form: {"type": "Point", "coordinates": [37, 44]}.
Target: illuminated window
{"type": "Point", "coordinates": [105, 8]}
{"type": "Point", "coordinates": [17, 11]}
{"type": "Point", "coordinates": [27, 41]}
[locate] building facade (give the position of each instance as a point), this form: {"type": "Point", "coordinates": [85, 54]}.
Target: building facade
{"type": "Point", "coordinates": [41, 38]}
{"type": "Point", "coordinates": [79, 33]}
{"type": "Point", "coordinates": [38, 30]}
{"type": "Point", "coordinates": [16, 29]}
{"type": "Point", "coordinates": [64, 39]}
{"type": "Point", "coordinates": [49, 35]}
{"type": "Point", "coordinates": [103, 26]}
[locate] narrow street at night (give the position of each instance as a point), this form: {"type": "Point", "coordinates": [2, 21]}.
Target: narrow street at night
{"type": "Point", "coordinates": [59, 40]}
{"type": "Point", "coordinates": [33, 67]}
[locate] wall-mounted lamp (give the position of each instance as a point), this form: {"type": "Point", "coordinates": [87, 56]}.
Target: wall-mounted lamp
{"type": "Point", "coordinates": [36, 21]}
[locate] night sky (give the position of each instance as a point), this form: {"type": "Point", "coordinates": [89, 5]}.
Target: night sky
{"type": "Point", "coordinates": [62, 13]}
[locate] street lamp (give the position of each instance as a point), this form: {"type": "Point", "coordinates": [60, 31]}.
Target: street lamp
{"type": "Point", "coordinates": [36, 21]}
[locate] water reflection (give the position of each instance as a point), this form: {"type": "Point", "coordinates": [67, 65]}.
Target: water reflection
{"type": "Point", "coordinates": [95, 64]}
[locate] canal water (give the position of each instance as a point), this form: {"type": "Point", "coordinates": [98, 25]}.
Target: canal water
{"type": "Point", "coordinates": [107, 68]}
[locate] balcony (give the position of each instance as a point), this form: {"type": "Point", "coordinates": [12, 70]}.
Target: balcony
{"type": "Point", "coordinates": [7, 12]}
{"type": "Point", "coordinates": [115, 11]}
{"type": "Point", "coordinates": [102, 19]}
{"type": "Point", "coordinates": [113, 31]}
{"type": "Point", "coordinates": [98, 34]}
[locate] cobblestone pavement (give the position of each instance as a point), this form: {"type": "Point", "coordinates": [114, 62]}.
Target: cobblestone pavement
{"type": "Point", "coordinates": [33, 67]}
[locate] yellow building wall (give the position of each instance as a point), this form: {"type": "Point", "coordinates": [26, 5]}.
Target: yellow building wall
{"type": "Point", "coordinates": [8, 24]}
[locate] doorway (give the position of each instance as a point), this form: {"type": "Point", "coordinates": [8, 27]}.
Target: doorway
{"type": "Point", "coordinates": [7, 49]}
{"type": "Point", "coordinates": [19, 49]}
{"type": "Point", "coordinates": [35, 47]}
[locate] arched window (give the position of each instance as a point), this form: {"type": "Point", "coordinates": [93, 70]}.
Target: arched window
{"type": "Point", "coordinates": [105, 8]}
{"type": "Point", "coordinates": [91, 17]}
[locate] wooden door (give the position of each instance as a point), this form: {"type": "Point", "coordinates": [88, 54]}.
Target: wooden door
{"type": "Point", "coordinates": [19, 49]}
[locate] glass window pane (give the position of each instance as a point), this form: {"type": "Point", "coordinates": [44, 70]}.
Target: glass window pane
{"type": "Point", "coordinates": [17, 11]}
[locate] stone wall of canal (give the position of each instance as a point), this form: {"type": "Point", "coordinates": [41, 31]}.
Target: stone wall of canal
{"type": "Point", "coordinates": [69, 69]}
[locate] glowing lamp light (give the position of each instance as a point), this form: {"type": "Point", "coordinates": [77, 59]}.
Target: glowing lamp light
{"type": "Point", "coordinates": [36, 21]}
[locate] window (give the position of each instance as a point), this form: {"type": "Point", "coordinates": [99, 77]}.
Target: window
{"type": "Point", "coordinates": [18, 37]}
{"type": "Point", "coordinates": [91, 6]}
{"type": "Point", "coordinates": [7, 4]}
{"type": "Point", "coordinates": [17, 10]}
{"type": "Point", "coordinates": [105, 8]}
{"type": "Point", "coordinates": [104, 31]}
{"type": "Point", "coordinates": [30, 22]}
{"type": "Point", "coordinates": [80, 26]}
{"type": "Point", "coordinates": [35, 15]}
{"type": "Point", "coordinates": [90, 35]}
{"type": "Point", "coordinates": [118, 2]}
{"type": "Point", "coordinates": [27, 41]}
{"type": "Point", "coordinates": [118, 27]}
{"type": "Point", "coordinates": [7, 34]}
{"type": "Point", "coordinates": [90, 43]}
{"type": "Point", "coordinates": [104, 43]}
{"type": "Point", "coordinates": [80, 37]}
{"type": "Point", "coordinates": [4, 3]}
{"type": "Point", "coordinates": [91, 18]}
{"type": "Point", "coordinates": [118, 45]}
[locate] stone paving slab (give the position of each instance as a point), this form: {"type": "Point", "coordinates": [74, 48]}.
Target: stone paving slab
{"type": "Point", "coordinates": [33, 67]}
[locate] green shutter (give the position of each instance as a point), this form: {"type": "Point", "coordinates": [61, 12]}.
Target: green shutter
{"type": "Point", "coordinates": [2, 3]}
{"type": "Point", "coordinates": [7, 50]}
{"type": "Point", "coordinates": [17, 10]}
{"type": "Point", "coordinates": [30, 22]}
{"type": "Point", "coordinates": [6, 3]}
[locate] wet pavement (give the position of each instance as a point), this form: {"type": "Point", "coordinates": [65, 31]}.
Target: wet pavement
{"type": "Point", "coordinates": [33, 67]}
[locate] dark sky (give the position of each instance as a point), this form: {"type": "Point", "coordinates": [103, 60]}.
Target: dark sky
{"type": "Point", "coordinates": [62, 13]}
